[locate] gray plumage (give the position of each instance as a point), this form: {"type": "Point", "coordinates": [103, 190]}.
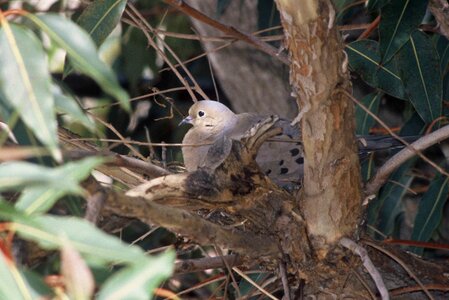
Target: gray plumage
{"type": "Point", "coordinates": [214, 122]}
{"type": "Point", "coordinates": [281, 158]}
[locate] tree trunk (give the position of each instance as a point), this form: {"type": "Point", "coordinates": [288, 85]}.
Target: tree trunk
{"type": "Point", "coordinates": [332, 182]}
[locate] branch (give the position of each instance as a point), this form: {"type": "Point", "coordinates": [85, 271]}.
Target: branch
{"type": "Point", "coordinates": [402, 264]}
{"type": "Point", "coordinates": [368, 264]}
{"type": "Point", "coordinates": [229, 30]}
{"type": "Point", "coordinates": [114, 169]}
{"type": "Point", "coordinates": [440, 10]}
{"type": "Point", "coordinates": [192, 225]}
{"type": "Point", "coordinates": [394, 162]}
{"type": "Point", "coordinates": [206, 263]}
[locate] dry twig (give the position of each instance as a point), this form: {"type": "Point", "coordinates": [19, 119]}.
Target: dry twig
{"type": "Point", "coordinates": [190, 11]}
{"type": "Point", "coordinates": [368, 264]}
{"type": "Point", "coordinates": [402, 264]}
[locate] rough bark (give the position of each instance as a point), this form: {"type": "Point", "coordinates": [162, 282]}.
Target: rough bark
{"type": "Point", "coordinates": [253, 81]}
{"type": "Point", "coordinates": [332, 183]}
{"type": "Point", "coordinates": [440, 9]}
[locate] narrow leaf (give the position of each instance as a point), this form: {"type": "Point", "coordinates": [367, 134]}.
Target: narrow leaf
{"type": "Point", "coordinates": [443, 51]}
{"type": "Point", "coordinates": [67, 105]}
{"type": "Point", "coordinates": [430, 211]}
{"type": "Point", "coordinates": [90, 241]}
{"type": "Point", "coordinates": [78, 278]}
{"type": "Point", "coordinates": [399, 18]}
{"type": "Point", "coordinates": [40, 198]}
{"type": "Point", "coordinates": [420, 71]}
{"type": "Point", "coordinates": [390, 198]}
{"type": "Point", "coordinates": [12, 284]}
{"type": "Point", "coordinates": [140, 280]}
{"type": "Point", "coordinates": [374, 5]}
{"type": "Point", "coordinates": [82, 52]}
{"type": "Point", "coordinates": [25, 83]}
{"type": "Point", "coordinates": [363, 120]}
{"type": "Point", "coordinates": [99, 19]}
{"type": "Point", "coordinates": [364, 59]}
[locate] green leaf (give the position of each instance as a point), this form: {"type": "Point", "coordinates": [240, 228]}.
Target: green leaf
{"type": "Point", "coordinates": [383, 212]}
{"type": "Point", "coordinates": [421, 74]}
{"type": "Point", "coordinates": [442, 46]}
{"type": "Point", "coordinates": [87, 239]}
{"type": "Point", "coordinates": [82, 52]}
{"type": "Point", "coordinates": [8, 213]}
{"type": "Point", "coordinates": [363, 120]}
{"type": "Point", "coordinates": [247, 288]}
{"type": "Point", "coordinates": [430, 211]}
{"type": "Point", "coordinates": [40, 198]}
{"type": "Point", "coordinates": [139, 280]}
{"type": "Point", "coordinates": [374, 5]}
{"type": "Point", "coordinates": [13, 284]}
{"type": "Point", "coordinates": [390, 198]}
{"type": "Point", "coordinates": [25, 83]}
{"type": "Point", "coordinates": [364, 59]}
{"type": "Point", "coordinates": [68, 105]}
{"type": "Point", "coordinates": [99, 19]}
{"type": "Point", "coordinates": [18, 174]}
{"type": "Point", "coordinates": [446, 88]}
{"type": "Point", "coordinates": [399, 18]}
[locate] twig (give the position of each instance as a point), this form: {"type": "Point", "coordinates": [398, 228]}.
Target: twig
{"type": "Point", "coordinates": [205, 53]}
{"type": "Point", "coordinates": [364, 283]}
{"type": "Point", "coordinates": [142, 143]}
{"type": "Point", "coordinates": [140, 97]}
{"type": "Point", "coordinates": [144, 167]}
{"type": "Point", "coordinates": [386, 169]}
{"type": "Point", "coordinates": [169, 49]}
{"type": "Point", "coordinates": [410, 289]}
{"type": "Point", "coordinates": [416, 244]}
{"type": "Point", "coordinates": [160, 52]}
{"type": "Point", "coordinates": [217, 97]}
{"type": "Point", "coordinates": [200, 285]}
{"type": "Point", "coordinates": [265, 292]}
{"type": "Point", "coordinates": [402, 264]}
{"type": "Point", "coordinates": [228, 268]}
{"type": "Point", "coordinates": [368, 264]}
{"type": "Point", "coordinates": [118, 134]}
{"type": "Point", "coordinates": [394, 162]}
{"type": "Point", "coordinates": [284, 280]}
{"type": "Point", "coordinates": [190, 11]}
{"type": "Point", "coordinates": [192, 225]}
{"type": "Point", "coordinates": [95, 204]}
{"type": "Point", "coordinates": [202, 264]}
{"type": "Point", "coordinates": [370, 29]}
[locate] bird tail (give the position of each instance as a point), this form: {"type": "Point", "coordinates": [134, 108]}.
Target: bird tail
{"type": "Point", "coordinates": [368, 144]}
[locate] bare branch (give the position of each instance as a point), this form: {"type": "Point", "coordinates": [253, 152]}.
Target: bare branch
{"type": "Point", "coordinates": [368, 264]}
{"type": "Point", "coordinates": [403, 265]}
{"type": "Point", "coordinates": [202, 264]}
{"type": "Point", "coordinates": [193, 226]}
{"type": "Point", "coordinates": [394, 162]}
{"type": "Point", "coordinates": [231, 31]}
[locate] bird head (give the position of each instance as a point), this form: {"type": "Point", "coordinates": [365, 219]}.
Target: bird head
{"type": "Point", "coordinates": [210, 116]}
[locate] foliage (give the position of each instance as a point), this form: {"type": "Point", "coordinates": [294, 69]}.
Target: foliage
{"type": "Point", "coordinates": [405, 63]}
{"type": "Point", "coordinates": [31, 101]}
{"type": "Point", "coordinates": [399, 65]}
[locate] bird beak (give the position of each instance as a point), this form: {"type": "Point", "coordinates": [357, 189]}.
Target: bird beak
{"type": "Point", "coordinates": [186, 120]}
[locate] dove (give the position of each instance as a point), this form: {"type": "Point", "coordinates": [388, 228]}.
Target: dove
{"type": "Point", "coordinates": [280, 158]}
{"type": "Point", "coordinates": [212, 120]}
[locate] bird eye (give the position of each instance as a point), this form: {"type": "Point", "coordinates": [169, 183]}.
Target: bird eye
{"type": "Point", "coordinates": [201, 113]}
